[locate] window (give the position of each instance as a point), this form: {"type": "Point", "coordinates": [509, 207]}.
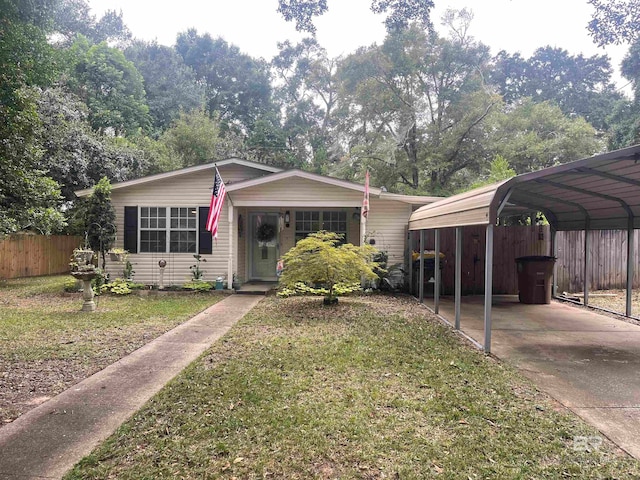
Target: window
{"type": "Point", "coordinates": [335, 222]}
{"type": "Point", "coordinates": [183, 230]}
{"type": "Point", "coordinates": [175, 234]}
{"type": "Point", "coordinates": [153, 229]}
{"type": "Point", "coordinates": [312, 221]}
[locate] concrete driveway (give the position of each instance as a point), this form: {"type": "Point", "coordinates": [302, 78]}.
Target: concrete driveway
{"type": "Point", "coordinates": [588, 362]}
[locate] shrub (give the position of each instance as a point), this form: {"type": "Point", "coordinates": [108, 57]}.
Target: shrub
{"type": "Point", "coordinates": [72, 285]}
{"type": "Point", "coordinates": [324, 267]}
{"type": "Point", "coordinates": [120, 286]}
{"type": "Point", "coordinates": [198, 286]}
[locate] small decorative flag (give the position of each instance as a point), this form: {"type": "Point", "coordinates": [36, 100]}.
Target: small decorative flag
{"type": "Point", "coordinates": [215, 208]}
{"type": "Point", "coordinates": [365, 201]}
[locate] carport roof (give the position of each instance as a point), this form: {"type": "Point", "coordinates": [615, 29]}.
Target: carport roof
{"type": "Point", "coordinates": [600, 192]}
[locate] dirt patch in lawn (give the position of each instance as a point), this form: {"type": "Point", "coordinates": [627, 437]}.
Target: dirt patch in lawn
{"type": "Point", "coordinates": [25, 384]}
{"type": "Point", "coordinates": [47, 345]}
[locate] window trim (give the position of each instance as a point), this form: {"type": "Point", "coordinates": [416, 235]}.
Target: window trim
{"type": "Point", "coordinates": [168, 229]}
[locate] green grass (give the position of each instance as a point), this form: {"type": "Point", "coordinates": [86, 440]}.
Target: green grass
{"type": "Point", "coordinates": [40, 322]}
{"type": "Point", "coordinates": [370, 388]}
{"type": "Point", "coordinates": [47, 344]}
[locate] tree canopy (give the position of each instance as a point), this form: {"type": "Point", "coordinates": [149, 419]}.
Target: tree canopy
{"type": "Point", "coordinates": [614, 21]}
{"type": "Point", "coordinates": [425, 113]}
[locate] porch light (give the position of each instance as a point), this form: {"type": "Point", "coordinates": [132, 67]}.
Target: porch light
{"type": "Point", "coordinates": [287, 218]}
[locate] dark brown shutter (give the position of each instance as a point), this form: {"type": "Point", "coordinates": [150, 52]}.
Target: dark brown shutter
{"type": "Point", "coordinates": [131, 229]}
{"type": "Point", "coordinates": [204, 236]}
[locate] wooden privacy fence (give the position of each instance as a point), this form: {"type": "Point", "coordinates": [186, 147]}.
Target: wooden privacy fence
{"type": "Point", "coordinates": [32, 255]}
{"type": "Point", "coordinates": [608, 268]}
{"type": "Point", "coordinates": [509, 243]}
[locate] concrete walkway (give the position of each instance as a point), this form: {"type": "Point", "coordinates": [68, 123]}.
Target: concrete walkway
{"type": "Point", "coordinates": [588, 362]}
{"type": "Point", "coordinates": [48, 440]}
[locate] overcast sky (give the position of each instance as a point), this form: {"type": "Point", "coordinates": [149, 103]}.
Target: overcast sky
{"type": "Point", "coordinates": [256, 27]}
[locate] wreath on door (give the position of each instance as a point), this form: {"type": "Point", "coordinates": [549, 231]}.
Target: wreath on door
{"type": "Point", "coordinates": [266, 232]}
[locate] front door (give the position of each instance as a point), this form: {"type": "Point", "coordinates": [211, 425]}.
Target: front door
{"type": "Point", "coordinates": [263, 246]}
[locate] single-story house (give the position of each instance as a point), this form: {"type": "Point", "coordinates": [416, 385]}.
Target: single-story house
{"type": "Point", "coordinates": [266, 210]}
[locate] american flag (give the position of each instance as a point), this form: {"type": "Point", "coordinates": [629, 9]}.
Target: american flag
{"type": "Point", "coordinates": [217, 198]}
{"type": "Point", "coordinates": [365, 200]}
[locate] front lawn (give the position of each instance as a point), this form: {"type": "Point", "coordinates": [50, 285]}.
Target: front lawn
{"type": "Point", "coordinates": [371, 388]}
{"type": "Point", "coordinates": [47, 344]}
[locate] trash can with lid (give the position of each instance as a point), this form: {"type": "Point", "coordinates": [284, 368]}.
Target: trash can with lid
{"type": "Point", "coordinates": [535, 275]}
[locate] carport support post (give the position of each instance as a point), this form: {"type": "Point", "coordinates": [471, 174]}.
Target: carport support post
{"type": "Point", "coordinates": [458, 275]}
{"type": "Point", "coordinates": [488, 287]}
{"type": "Point", "coordinates": [587, 260]}
{"type": "Point", "coordinates": [421, 273]}
{"type": "Point", "coordinates": [630, 261]}
{"type": "Point", "coordinates": [554, 254]}
{"type": "Point", "coordinates": [410, 265]}
{"type": "Point", "coordinates": [436, 272]}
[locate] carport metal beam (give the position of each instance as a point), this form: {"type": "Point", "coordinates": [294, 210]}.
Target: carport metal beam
{"type": "Point", "coordinates": [436, 272]}
{"type": "Point", "coordinates": [421, 273]}
{"type": "Point", "coordinates": [488, 274]}
{"type": "Point", "coordinates": [630, 262]}
{"type": "Point", "coordinates": [410, 262]}
{"type": "Point", "coordinates": [554, 254]}
{"type": "Point", "coordinates": [488, 287]}
{"type": "Point", "coordinates": [458, 276]}
{"type": "Point", "coordinates": [610, 176]}
{"type": "Point", "coordinates": [587, 260]}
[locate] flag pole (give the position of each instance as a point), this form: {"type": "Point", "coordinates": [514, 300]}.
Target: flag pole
{"type": "Point", "coordinates": [365, 209]}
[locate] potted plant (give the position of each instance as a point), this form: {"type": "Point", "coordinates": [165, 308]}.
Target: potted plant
{"type": "Point", "coordinates": [118, 254]}
{"type": "Point", "coordinates": [82, 255]}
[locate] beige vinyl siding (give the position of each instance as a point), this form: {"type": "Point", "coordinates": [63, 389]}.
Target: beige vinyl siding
{"type": "Point", "coordinates": [184, 191]}
{"type": "Point", "coordinates": [237, 173]}
{"type": "Point", "coordinates": [297, 192]}
{"type": "Point", "coordinates": [387, 224]}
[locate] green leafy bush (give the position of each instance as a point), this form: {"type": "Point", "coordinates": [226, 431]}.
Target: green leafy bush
{"type": "Point", "coordinates": [72, 285]}
{"type": "Point", "coordinates": [339, 289]}
{"type": "Point", "coordinates": [120, 286]}
{"type": "Point", "coordinates": [320, 265]}
{"type": "Point", "coordinates": [198, 286]}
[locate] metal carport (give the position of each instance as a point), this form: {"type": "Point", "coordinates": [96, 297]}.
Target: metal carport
{"type": "Point", "coordinates": [596, 193]}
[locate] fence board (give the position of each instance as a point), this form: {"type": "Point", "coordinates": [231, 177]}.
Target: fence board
{"type": "Point", "coordinates": [34, 255]}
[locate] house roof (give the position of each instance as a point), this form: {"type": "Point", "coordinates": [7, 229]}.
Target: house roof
{"type": "Point", "coordinates": [336, 182]}
{"type": "Point", "coordinates": [183, 171]}
{"type": "Point", "coordinates": [599, 192]}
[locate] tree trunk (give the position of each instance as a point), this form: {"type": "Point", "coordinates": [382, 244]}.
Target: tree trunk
{"type": "Point", "coordinates": [411, 149]}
